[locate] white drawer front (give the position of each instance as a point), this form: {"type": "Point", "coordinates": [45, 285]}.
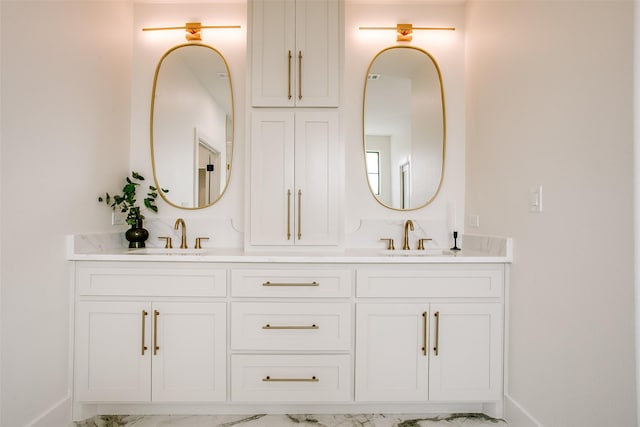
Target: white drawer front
{"type": "Point", "coordinates": [291, 283]}
{"type": "Point", "coordinates": [290, 326]}
{"type": "Point", "coordinates": [150, 280]}
{"type": "Point", "coordinates": [427, 284]}
{"type": "Point", "coordinates": [290, 378]}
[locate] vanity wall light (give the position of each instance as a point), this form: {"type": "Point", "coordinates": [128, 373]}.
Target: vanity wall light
{"type": "Point", "coordinates": [405, 31]}
{"type": "Point", "coordinates": [192, 29]}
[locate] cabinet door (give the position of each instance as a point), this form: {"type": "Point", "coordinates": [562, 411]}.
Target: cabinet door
{"type": "Point", "coordinates": [317, 53]}
{"type": "Point", "coordinates": [189, 362]}
{"type": "Point", "coordinates": [273, 53]}
{"type": "Point", "coordinates": [295, 175]}
{"type": "Point", "coordinates": [113, 352]}
{"type": "Point", "coordinates": [317, 175]}
{"type": "Point", "coordinates": [272, 182]}
{"type": "Point", "coordinates": [295, 53]}
{"type": "Point", "coordinates": [391, 364]}
{"type": "Point", "coordinates": [465, 352]}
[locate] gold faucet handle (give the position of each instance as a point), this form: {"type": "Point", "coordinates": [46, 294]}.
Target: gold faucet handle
{"type": "Point", "coordinates": [199, 241]}
{"type": "Point", "coordinates": [390, 246]}
{"type": "Point", "coordinates": [421, 244]}
{"type": "Point", "coordinates": [167, 242]}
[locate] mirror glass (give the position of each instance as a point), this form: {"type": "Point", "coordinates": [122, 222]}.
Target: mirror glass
{"type": "Point", "coordinates": [404, 127]}
{"type": "Point", "coordinates": [192, 126]}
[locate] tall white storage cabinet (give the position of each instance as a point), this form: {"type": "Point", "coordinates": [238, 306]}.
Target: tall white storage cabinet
{"type": "Point", "coordinates": [295, 53]}
{"type": "Point", "coordinates": [294, 178]}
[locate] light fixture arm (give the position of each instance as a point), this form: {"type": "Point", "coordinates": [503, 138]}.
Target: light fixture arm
{"type": "Point", "coordinates": [192, 29]}
{"type": "Point", "coordinates": [405, 31]}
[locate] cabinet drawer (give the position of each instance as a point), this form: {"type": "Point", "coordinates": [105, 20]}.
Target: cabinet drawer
{"type": "Point", "coordinates": [290, 378]}
{"type": "Point", "coordinates": [291, 283]}
{"type": "Point", "coordinates": [149, 279]}
{"type": "Point", "coordinates": [469, 283]}
{"type": "Point", "coordinates": [291, 326]}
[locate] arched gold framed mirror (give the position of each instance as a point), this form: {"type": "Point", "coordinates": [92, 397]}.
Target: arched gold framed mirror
{"type": "Point", "coordinates": [404, 127]}
{"type": "Point", "coordinates": [191, 125]}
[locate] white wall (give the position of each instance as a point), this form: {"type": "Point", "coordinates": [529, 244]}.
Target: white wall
{"type": "Point", "coordinates": [64, 139]}
{"type": "Point", "coordinates": [550, 88]}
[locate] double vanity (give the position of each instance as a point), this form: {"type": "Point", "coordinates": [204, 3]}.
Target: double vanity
{"type": "Point", "coordinates": [295, 312]}
{"type": "Point", "coordinates": [221, 331]}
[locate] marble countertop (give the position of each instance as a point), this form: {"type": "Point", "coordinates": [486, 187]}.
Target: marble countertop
{"type": "Point", "coordinates": [108, 247]}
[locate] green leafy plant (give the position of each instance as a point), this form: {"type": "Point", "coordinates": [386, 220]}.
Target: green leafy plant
{"type": "Point", "coordinates": [126, 202]}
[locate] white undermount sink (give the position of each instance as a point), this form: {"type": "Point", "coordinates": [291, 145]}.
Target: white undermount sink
{"type": "Point", "coordinates": [416, 252]}
{"type": "Point", "coordinates": [166, 251]}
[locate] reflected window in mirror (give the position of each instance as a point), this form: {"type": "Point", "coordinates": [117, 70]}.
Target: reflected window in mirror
{"type": "Point", "coordinates": [192, 125]}
{"type": "Point", "coordinates": [404, 122]}
{"type": "Point", "coordinates": [373, 171]}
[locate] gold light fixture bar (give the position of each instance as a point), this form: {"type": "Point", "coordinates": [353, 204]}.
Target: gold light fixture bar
{"type": "Point", "coordinates": [192, 29]}
{"type": "Point", "coordinates": [405, 31]}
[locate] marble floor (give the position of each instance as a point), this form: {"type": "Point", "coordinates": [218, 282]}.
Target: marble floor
{"type": "Point", "coordinates": [351, 420]}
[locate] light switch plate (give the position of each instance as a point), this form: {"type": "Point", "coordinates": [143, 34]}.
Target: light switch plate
{"type": "Point", "coordinates": [473, 221]}
{"type": "Point", "coordinates": [535, 199]}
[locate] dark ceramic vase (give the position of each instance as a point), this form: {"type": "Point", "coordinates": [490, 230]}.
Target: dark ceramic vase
{"type": "Point", "coordinates": [136, 235]}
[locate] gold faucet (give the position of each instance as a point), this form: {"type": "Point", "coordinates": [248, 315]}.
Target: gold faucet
{"type": "Point", "coordinates": [407, 226]}
{"type": "Point", "coordinates": [183, 241]}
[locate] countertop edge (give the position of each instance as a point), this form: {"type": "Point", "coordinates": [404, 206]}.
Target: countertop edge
{"type": "Point", "coordinates": [298, 259]}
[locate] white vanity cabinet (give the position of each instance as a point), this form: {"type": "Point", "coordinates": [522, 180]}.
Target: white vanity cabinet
{"type": "Point", "coordinates": [295, 53]}
{"type": "Point", "coordinates": [276, 333]}
{"type": "Point", "coordinates": [429, 335]}
{"type": "Point", "coordinates": [134, 342]}
{"type": "Point", "coordinates": [295, 178]}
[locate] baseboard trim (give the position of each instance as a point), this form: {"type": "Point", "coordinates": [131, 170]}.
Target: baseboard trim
{"type": "Point", "coordinates": [517, 416]}
{"type": "Point", "coordinates": [58, 415]}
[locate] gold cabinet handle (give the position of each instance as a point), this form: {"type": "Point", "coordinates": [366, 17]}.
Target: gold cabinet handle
{"type": "Point", "coordinates": [299, 74]}
{"type": "Point", "coordinates": [299, 214]}
{"type": "Point", "coordinates": [144, 316]}
{"type": "Point", "coordinates": [268, 326]}
{"type": "Point", "coordinates": [313, 379]}
{"type": "Point", "coordinates": [437, 316]}
{"type": "Point", "coordinates": [288, 214]}
{"type": "Point", "coordinates": [291, 284]}
{"type": "Point", "coordinates": [289, 76]}
{"type": "Point", "coordinates": [424, 333]}
{"type": "Point", "coordinates": [156, 313]}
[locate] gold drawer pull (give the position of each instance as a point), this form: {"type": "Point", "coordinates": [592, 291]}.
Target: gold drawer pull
{"type": "Point", "coordinates": [156, 347]}
{"type": "Point", "coordinates": [268, 326]}
{"type": "Point", "coordinates": [289, 76]}
{"type": "Point", "coordinates": [299, 74]}
{"type": "Point", "coordinates": [299, 214]}
{"type": "Point", "coordinates": [144, 315]}
{"type": "Point", "coordinates": [437, 316]}
{"type": "Point", "coordinates": [289, 214]}
{"type": "Point", "coordinates": [313, 379]}
{"type": "Point", "coordinates": [291, 284]}
{"type": "Point", "coordinates": [424, 333]}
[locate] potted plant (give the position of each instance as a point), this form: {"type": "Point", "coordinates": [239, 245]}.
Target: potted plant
{"type": "Point", "coordinates": [127, 203]}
